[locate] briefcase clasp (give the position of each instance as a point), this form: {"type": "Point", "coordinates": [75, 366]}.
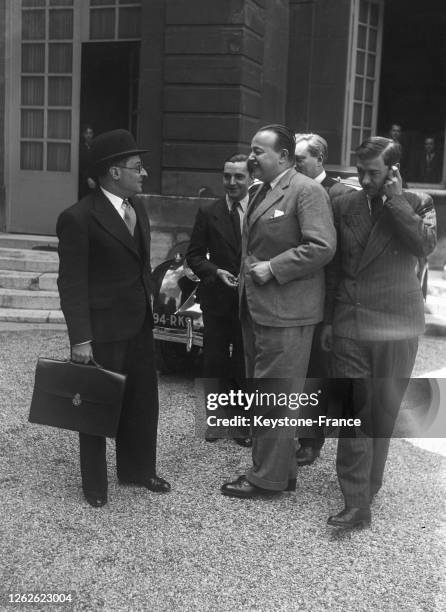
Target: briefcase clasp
{"type": "Point", "coordinates": [76, 401]}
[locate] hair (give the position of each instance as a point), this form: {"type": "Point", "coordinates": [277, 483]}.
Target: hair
{"type": "Point", "coordinates": [317, 146]}
{"type": "Point", "coordinates": [377, 145]}
{"type": "Point", "coordinates": [285, 138]}
{"type": "Point", "coordinates": [238, 157]}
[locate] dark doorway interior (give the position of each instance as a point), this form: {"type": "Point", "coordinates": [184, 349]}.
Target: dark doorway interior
{"type": "Point", "coordinates": [413, 79]}
{"type": "Point", "coordinates": [109, 85]}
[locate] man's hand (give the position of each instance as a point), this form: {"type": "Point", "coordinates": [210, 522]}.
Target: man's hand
{"type": "Point", "coordinates": [394, 183]}
{"type": "Point", "coordinates": [82, 353]}
{"type": "Point", "coordinates": [227, 278]}
{"type": "Point", "coordinates": [327, 338]}
{"type": "Point", "coordinates": [261, 272]}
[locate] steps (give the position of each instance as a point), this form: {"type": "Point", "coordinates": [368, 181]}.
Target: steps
{"type": "Point", "coordinates": [28, 279]}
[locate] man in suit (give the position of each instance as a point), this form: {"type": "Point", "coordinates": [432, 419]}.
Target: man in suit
{"type": "Point", "coordinates": [311, 155]}
{"type": "Point", "coordinates": [214, 255]}
{"type": "Point", "coordinates": [105, 289]}
{"type": "Point", "coordinates": [429, 164]}
{"type": "Point", "coordinates": [288, 237]}
{"type": "Point", "coordinates": [374, 315]}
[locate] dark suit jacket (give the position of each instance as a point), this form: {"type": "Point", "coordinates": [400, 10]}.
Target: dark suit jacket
{"type": "Point", "coordinates": [104, 279]}
{"type": "Point", "coordinates": [373, 292]}
{"type": "Point", "coordinates": [429, 172]}
{"type": "Point", "coordinates": [213, 234]}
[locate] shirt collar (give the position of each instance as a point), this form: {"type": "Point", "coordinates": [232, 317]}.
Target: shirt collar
{"type": "Point", "coordinates": [242, 203]}
{"type": "Point", "coordinates": [115, 200]}
{"type": "Point", "coordinates": [277, 179]}
{"type": "Point", "coordinates": [320, 177]}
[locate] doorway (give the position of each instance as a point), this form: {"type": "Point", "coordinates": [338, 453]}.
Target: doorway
{"type": "Point", "coordinates": [413, 82]}
{"type": "Point", "coordinates": [109, 86]}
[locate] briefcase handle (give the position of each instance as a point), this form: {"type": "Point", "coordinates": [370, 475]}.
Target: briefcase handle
{"type": "Point", "coordinates": [92, 362]}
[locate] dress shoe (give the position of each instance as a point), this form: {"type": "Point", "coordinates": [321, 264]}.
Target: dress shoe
{"type": "Point", "coordinates": [154, 483]}
{"type": "Point", "coordinates": [306, 455]}
{"type": "Point", "coordinates": [351, 517]}
{"type": "Point", "coordinates": [243, 489]}
{"type": "Point", "coordinates": [96, 501]}
{"type": "Point", "coordinates": [245, 441]}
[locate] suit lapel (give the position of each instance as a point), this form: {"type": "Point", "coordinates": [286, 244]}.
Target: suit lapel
{"type": "Point", "coordinates": [143, 224]}
{"type": "Point", "coordinates": [379, 238]}
{"type": "Point", "coordinates": [108, 217]}
{"type": "Point", "coordinates": [223, 224]}
{"type": "Point", "coordinates": [271, 198]}
{"type": "Point", "coordinates": [357, 219]}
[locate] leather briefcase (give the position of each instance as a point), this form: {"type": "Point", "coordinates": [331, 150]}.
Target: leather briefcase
{"type": "Point", "coordinates": [84, 398]}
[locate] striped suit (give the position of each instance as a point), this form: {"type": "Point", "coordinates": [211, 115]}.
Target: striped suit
{"type": "Point", "coordinates": [375, 304]}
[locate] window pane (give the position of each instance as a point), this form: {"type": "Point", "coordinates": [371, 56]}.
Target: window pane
{"type": "Point", "coordinates": [102, 24]}
{"type": "Point", "coordinates": [58, 157]}
{"type": "Point", "coordinates": [31, 124]}
{"type": "Point", "coordinates": [374, 14]}
{"type": "Point", "coordinates": [59, 91]}
{"type": "Point", "coordinates": [102, 2]}
{"type": "Point", "coordinates": [31, 156]}
{"type": "Point", "coordinates": [26, 3]}
{"type": "Point", "coordinates": [367, 115]}
{"type": "Point", "coordinates": [366, 134]}
{"type": "Point", "coordinates": [61, 2]}
{"type": "Point", "coordinates": [359, 83]}
{"type": "Point", "coordinates": [353, 159]}
{"type": "Point", "coordinates": [59, 124]}
{"type": "Point", "coordinates": [371, 62]}
{"type": "Point", "coordinates": [61, 24]}
{"type": "Point", "coordinates": [33, 58]}
{"type": "Point", "coordinates": [362, 36]}
{"type": "Point", "coordinates": [357, 114]}
{"type": "Point", "coordinates": [356, 138]}
{"type": "Point", "coordinates": [363, 11]}
{"type": "Point", "coordinates": [61, 57]}
{"type": "Point", "coordinates": [360, 62]}
{"type": "Point", "coordinates": [369, 90]}
{"type": "Point", "coordinates": [129, 23]}
{"type": "Point", "coordinates": [373, 40]}
{"type": "Point", "coordinates": [33, 91]}
{"type": "Point", "coordinates": [33, 25]}
{"type": "Point", "coordinates": [129, 1]}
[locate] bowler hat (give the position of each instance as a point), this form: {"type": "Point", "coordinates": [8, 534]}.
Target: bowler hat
{"type": "Point", "coordinates": [113, 145]}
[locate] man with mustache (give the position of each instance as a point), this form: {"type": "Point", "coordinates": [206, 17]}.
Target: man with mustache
{"type": "Point", "coordinates": [288, 237]}
{"type": "Point", "coordinates": [105, 290]}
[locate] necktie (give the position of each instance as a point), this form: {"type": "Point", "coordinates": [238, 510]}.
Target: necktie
{"type": "Point", "coordinates": [259, 198]}
{"type": "Point", "coordinates": [129, 216]}
{"type": "Point", "coordinates": [235, 219]}
{"type": "Point", "coordinates": [376, 205]}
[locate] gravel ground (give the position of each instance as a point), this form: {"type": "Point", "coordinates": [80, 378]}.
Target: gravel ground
{"type": "Point", "coordinates": [195, 549]}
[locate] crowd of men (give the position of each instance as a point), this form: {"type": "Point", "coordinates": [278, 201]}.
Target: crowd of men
{"type": "Point", "coordinates": [304, 281]}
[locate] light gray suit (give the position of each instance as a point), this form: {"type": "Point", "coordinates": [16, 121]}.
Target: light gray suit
{"type": "Point", "coordinates": [278, 318]}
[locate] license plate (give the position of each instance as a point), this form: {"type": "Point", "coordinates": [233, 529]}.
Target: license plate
{"type": "Point", "coordinates": [170, 320]}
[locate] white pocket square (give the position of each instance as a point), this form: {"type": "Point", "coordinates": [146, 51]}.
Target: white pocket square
{"type": "Point", "coordinates": [278, 213]}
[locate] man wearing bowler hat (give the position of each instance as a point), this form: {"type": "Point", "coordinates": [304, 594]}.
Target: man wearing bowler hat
{"type": "Point", "coordinates": [104, 286]}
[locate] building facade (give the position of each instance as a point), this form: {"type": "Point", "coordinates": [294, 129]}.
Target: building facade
{"type": "Point", "coordinates": [193, 79]}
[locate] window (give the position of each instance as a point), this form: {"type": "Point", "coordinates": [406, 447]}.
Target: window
{"type": "Point", "coordinates": [363, 77]}
{"type": "Point", "coordinates": [46, 85]}
{"type": "Point", "coordinates": [115, 20]}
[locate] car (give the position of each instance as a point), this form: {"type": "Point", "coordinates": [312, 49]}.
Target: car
{"type": "Point", "coordinates": [178, 331]}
